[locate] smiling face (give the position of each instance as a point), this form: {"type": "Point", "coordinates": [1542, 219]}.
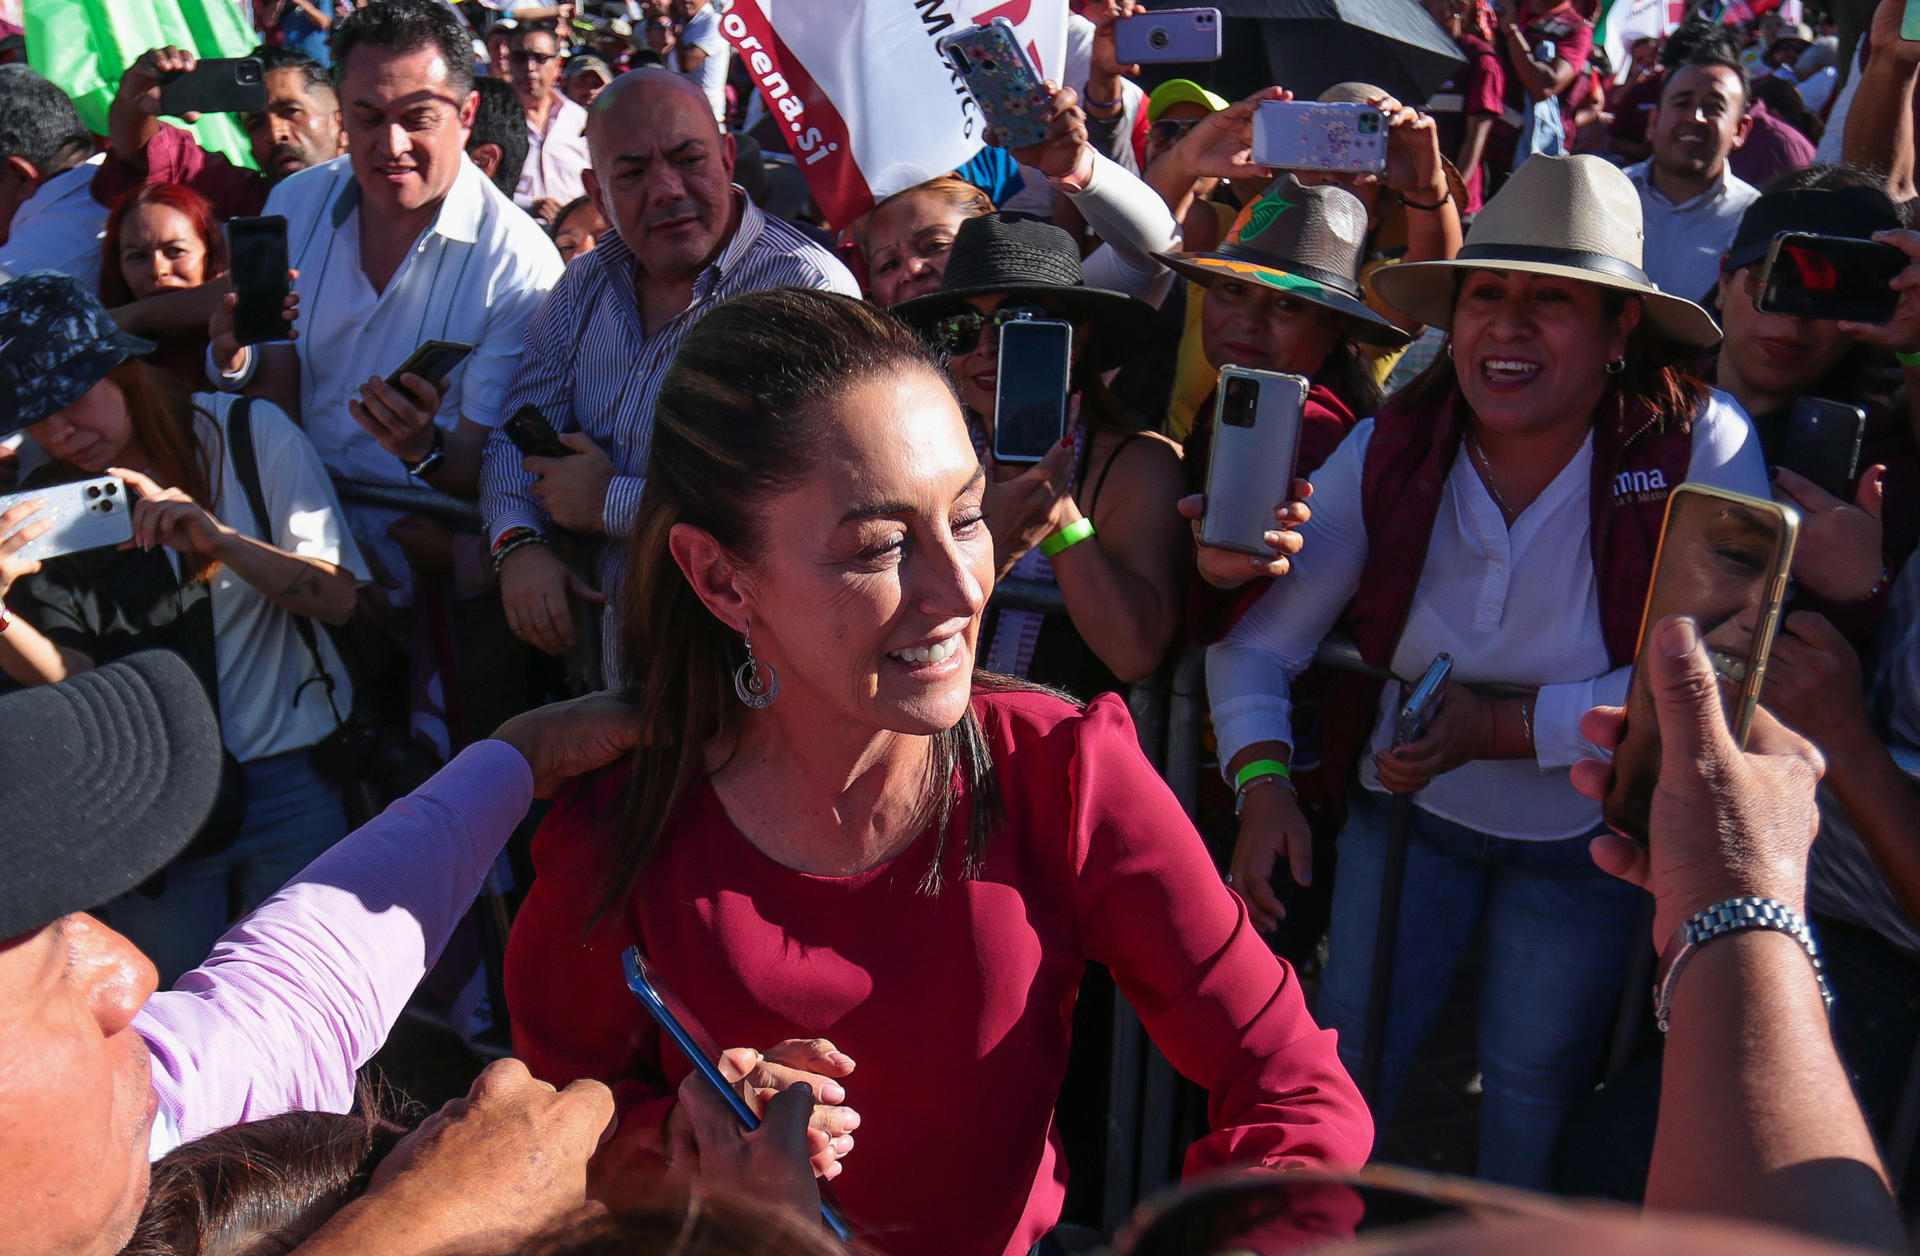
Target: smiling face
{"type": "Point", "coordinates": [161, 250]}
{"type": "Point", "coordinates": [93, 432]}
{"type": "Point", "coordinates": [406, 124]}
{"type": "Point", "coordinates": [1243, 323]}
{"type": "Point", "coordinates": [76, 1090]}
{"type": "Point", "coordinates": [662, 172]}
{"type": "Point", "coordinates": [874, 570]}
{"type": "Point", "coordinates": [908, 241]}
{"type": "Point", "coordinates": [1702, 116]}
{"type": "Point", "coordinates": [1531, 351]}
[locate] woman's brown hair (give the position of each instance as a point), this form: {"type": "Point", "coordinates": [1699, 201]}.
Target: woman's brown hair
{"type": "Point", "coordinates": [955, 191]}
{"type": "Point", "coordinates": [161, 412]}
{"type": "Point", "coordinates": [744, 414]}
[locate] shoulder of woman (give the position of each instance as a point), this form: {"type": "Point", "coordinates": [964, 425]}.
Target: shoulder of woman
{"type": "Point", "coordinates": [571, 839]}
{"type": "Point", "coordinates": [1019, 721]}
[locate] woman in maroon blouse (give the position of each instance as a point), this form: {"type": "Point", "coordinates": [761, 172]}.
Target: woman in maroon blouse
{"type": "Point", "coordinates": [837, 844]}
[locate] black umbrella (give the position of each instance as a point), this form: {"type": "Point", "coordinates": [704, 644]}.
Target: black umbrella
{"type": "Point", "coordinates": [1313, 44]}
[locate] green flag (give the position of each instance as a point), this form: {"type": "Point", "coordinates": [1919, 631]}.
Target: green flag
{"type": "Point", "coordinates": [83, 45]}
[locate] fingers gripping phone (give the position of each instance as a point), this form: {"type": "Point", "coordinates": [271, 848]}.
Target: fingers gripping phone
{"type": "Point", "coordinates": [1168, 35]}
{"type": "Point", "coordinates": [1003, 81]}
{"type": "Point", "coordinates": [86, 514]}
{"type": "Point", "coordinates": [1257, 417]}
{"type": "Point", "coordinates": [1723, 559]}
{"type": "Point", "coordinates": [1307, 135]}
{"type": "Point", "coordinates": [1823, 443]}
{"type": "Point", "coordinates": [1832, 277]}
{"type": "Point", "coordinates": [532, 435]}
{"type": "Point", "coordinates": [671, 1015]}
{"type": "Point", "coordinates": [1030, 391]}
{"type": "Point", "coordinates": [1423, 703]}
{"type": "Point", "coordinates": [215, 85]}
{"type": "Point", "coordinates": [432, 361]}
{"type": "Point", "coordinates": [257, 253]}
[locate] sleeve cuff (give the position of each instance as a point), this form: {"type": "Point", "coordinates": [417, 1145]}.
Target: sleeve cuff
{"type": "Point", "coordinates": [1557, 712]}
{"type": "Point", "coordinates": [1241, 722]}
{"type": "Point", "coordinates": [515, 517]}
{"type": "Point", "coordinates": [249, 363]}
{"type": "Point", "coordinates": [623, 504]}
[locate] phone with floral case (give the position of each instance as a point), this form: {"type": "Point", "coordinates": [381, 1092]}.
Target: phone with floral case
{"type": "Point", "coordinates": [1002, 80]}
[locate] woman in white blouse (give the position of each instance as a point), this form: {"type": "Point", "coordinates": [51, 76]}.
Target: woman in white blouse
{"type": "Point", "coordinates": [1504, 509]}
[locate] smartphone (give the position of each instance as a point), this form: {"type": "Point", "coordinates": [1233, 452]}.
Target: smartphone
{"type": "Point", "coordinates": [671, 1015]}
{"type": "Point", "coordinates": [1256, 439]}
{"type": "Point", "coordinates": [1307, 135]}
{"type": "Point", "coordinates": [257, 261]}
{"type": "Point", "coordinates": [1169, 35]}
{"type": "Point", "coordinates": [1910, 20]}
{"type": "Point", "coordinates": [1002, 80]}
{"type": "Point", "coordinates": [1423, 703]}
{"type": "Point", "coordinates": [1823, 443]}
{"type": "Point", "coordinates": [1723, 559]}
{"type": "Point", "coordinates": [1836, 277]}
{"type": "Point", "coordinates": [432, 361]}
{"type": "Point", "coordinates": [215, 85]}
{"type": "Point", "coordinates": [1030, 393]}
{"type": "Point", "coordinates": [86, 514]}
{"type": "Point", "coordinates": [532, 435]}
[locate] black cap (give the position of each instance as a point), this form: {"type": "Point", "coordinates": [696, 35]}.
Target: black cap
{"type": "Point", "coordinates": [1855, 213]}
{"type": "Point", "coordinates": [103, 779]}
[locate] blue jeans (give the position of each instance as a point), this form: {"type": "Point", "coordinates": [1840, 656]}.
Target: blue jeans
{"type": "Point", "coordinates": [292, 816]}
{"type": "Point", "coordinates": [1559, 933]}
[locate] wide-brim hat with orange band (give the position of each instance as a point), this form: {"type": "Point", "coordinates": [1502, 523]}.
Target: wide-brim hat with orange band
{"type": "Point", "coordinates": [1305, 242]}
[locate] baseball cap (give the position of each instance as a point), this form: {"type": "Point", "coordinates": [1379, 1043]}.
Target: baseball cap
{"type": "Point", "coordinates": [1181, 92]}
{"type": "Point", "coordinates": [1855, 213]}
{"type": "Point", "coordinates": [104, 778]}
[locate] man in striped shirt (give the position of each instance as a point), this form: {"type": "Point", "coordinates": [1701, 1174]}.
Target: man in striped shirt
{"type": "Point", "coordinates": [684, 238]}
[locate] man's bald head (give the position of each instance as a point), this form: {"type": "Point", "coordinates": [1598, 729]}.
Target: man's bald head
{"type": "Point", "coordinates": [662, 171]}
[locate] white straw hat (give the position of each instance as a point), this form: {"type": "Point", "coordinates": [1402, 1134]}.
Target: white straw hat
{"type": "Point", "coordinates": [1577, 217]}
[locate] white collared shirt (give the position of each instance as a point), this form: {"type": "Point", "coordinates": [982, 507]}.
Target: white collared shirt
{"type": "Point", "coordinates": [60, 227]}
{"type": "Point", "coordinates": [1519, 605]}
{"type": "Point", "coordinates": [702, 31]}
{"type": "Point", "coordinates": [475, 276]}
{"type": "Point", "coordinates": [1684, 242]}
{"type": "Point", "coordinates": [556, 156]}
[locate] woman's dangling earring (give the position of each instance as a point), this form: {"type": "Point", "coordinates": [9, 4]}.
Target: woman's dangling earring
{"type": "Point", "coordinates": [1449, 350]}
{"type": "Point", "coordinates": [756, 683]}
{"type": "Point", "coordinates": [1616, 366]}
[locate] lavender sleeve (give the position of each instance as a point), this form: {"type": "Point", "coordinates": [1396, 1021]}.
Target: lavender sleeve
{"type": "Point", "coordinates": [304, 990]}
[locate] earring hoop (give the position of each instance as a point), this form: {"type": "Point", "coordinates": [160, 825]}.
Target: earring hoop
{"type": "Point", "coordinates": [755, 683]}
{"type": "Point", "coordinates": [1616, 366]}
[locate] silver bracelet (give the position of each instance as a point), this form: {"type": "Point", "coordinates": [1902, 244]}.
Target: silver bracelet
{"type": "Point", "coordinates": [1526, 719]}
{"type": "Point", "coordinates": [1731, 916]}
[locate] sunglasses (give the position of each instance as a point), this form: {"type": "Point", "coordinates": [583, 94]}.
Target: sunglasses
{"type": "Point", "coordinates": [534, 59]}
{"type": "Point", "coordinates": [958, 334]}
{"type": "Point", "coordinates": [1172, 130]}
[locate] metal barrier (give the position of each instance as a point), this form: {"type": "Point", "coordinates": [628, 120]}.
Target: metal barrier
{"type": "Point", "coordinates": [416, 499]}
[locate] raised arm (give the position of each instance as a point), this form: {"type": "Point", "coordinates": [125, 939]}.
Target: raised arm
{"type": "Point", "coordinates": [1879, 130]}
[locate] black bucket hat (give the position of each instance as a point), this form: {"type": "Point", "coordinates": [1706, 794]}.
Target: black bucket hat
{"type": "Point", "coordinates": [1855, 213]}
{"type": "Point", "coordinates": [108, 776]}
{"type": "Point", "coordinates": [56, 341]}
{"type": "Point", "coordinates": [1025, 257]}
{"type": "Point", "coordinates": [1305, 241]}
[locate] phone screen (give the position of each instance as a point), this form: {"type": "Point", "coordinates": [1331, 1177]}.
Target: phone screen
{"type": "Point", "coordinates": [1030, 403]}
{"type": "Point", "coordinates": [1811, 276]}
{"type": "Point", "coordinates": [1723, 560]}
{"type": "Point", "coordinates": [257, 249]}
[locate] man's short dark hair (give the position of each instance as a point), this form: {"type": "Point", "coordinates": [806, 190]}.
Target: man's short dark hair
{"type": "Point", "coordinates": [39, 123]}
{"type": "Point", "coordinates": [524, 29]}
{"type": "Point", "coordinates": [502, 122]}
{"type": "Point", "coordinates": [313, 75]}
{"type": "Point", "coordinates": [1706, 57]}
{"type": "Point", "coordinates": [404, 26]}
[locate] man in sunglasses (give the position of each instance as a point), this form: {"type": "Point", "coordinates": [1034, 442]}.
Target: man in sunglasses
{"type": "Point", "coordinates": [556, 127]}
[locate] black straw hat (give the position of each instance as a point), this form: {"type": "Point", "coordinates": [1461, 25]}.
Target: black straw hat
{"type": "Point", "coordinates": [107, 776]}
{"type": "Point", "coordinates": [1019, 256]}
{"type": "Point", "coordinates": [1305, 241]}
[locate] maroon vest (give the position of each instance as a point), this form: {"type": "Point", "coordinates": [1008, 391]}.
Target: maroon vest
{"type": "Point", "coordinates": [1637, 461]}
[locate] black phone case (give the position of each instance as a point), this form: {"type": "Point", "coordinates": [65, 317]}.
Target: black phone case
{"type": "Point", "coordinates": [259, 311]}
{"type": "Point", "coordinates": [215, 86]}
{"type": "Point", "coordinates": [432, 362]}
{"type": "Point", "coordinates": [532, 435]}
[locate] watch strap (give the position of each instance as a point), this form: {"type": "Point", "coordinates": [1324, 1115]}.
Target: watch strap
{"type": "Point", "coordinates": [1727, 917]}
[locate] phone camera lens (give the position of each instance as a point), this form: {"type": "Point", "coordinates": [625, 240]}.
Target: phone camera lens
{"type": "Point", "coordinates": [112, 487]}
{"type": "Point", "coordinates": [106, 507]}
{"type": "Point", "coordinates": [1159, 38]}
{"type": "Point", "coordinates": [989, 65]}
{"type": "Point", "coordinates": [93, 490]}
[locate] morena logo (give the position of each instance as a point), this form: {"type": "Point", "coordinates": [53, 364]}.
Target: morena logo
{"type": "Point", "coordinates": [1637, 483]}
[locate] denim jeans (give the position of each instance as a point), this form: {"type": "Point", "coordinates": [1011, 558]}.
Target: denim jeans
{"type": "Point", "coordinates": [292, 816]}
{"type": "Point", "coordinates": [1558, 933]}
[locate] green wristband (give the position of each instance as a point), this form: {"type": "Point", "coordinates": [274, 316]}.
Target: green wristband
{"type": "Point", "coordinates": [1907, 359]}
{"type": "Point", "coordinates": [1262, 767]}
{"type": "Point", "coordinates": [1071, 535]}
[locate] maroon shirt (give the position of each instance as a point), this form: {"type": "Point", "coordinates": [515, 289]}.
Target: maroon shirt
{"type": "Point", "coordinates": [1572, 39]}
{"type": "Point", "coordinates": [1774, 147]}
{"type": "Point", "coordinates": [173, 157]}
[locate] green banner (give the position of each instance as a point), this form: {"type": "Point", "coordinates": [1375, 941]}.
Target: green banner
{"type": "Point", "coordinates": [83, 45]}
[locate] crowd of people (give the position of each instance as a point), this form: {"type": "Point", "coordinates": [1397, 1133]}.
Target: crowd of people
{"type": "Point", "coordinates": [716, 673]}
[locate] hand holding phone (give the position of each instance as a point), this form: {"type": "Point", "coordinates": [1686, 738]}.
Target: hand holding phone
{"type": "Point", "coordinates": [1823, 443]}
{"type": "Point", "coordinates": [1257, 420]}
{"type": "Point", "coordinates": [1423, 702]}
{"type": "Point", "coordinates": [1308, 135]}
{"type": "Point", "coordinates": [532, 435]}
{"type": "Point", "coordinates": [1830, 277]}
{"type": "Point", "coordinates": [79, 515]}
{"type": "Point", "coordinates": [1002, 80]}
{"type": "Point", "coordinates": [1030, 392]}
{"type": "Point", "coordinates": [214, 85]}
{"type": "Point", "coordinates": [433, 361]}
{"type": "Point", "coordinates": [257, 252]}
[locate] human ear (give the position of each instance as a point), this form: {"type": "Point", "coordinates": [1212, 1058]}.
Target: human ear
{"type": "Point", "coordinates": [716, 579]}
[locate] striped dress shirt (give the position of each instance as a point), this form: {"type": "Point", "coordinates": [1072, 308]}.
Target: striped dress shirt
{"type": "Point", "coordinates": [590, 366]}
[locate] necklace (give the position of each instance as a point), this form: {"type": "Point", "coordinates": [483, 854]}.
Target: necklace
{"type": "Point", "coordinates": [1486, 477]}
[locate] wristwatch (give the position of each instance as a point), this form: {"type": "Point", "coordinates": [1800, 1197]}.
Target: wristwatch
{"type": "Point", "coordinates": [431, 463]}
{"type": "Point", "coordinates": [1730, 916]}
